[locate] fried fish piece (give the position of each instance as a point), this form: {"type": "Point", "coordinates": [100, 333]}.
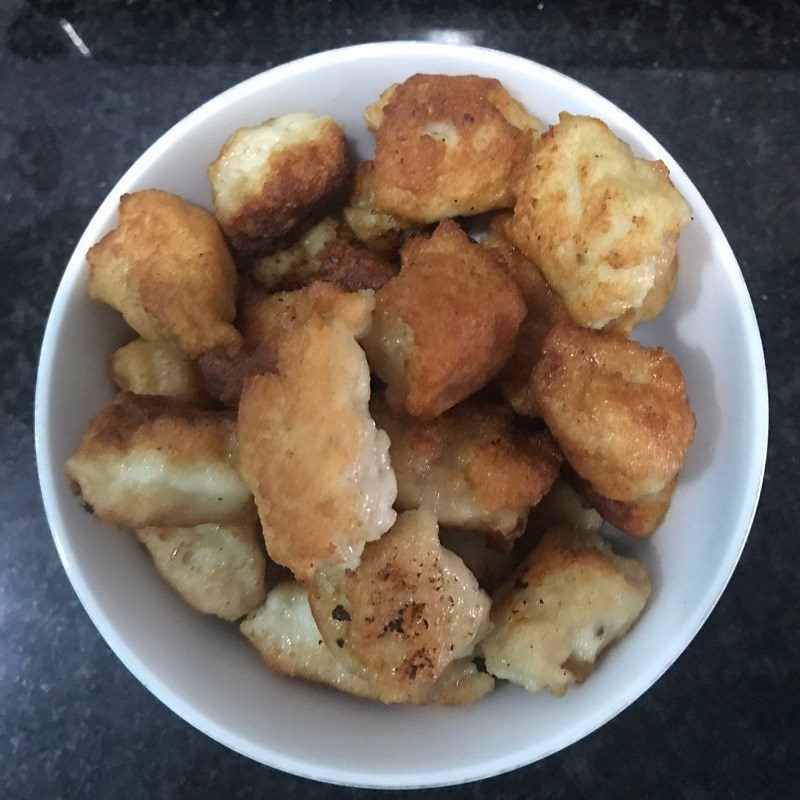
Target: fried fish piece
{"type": "Point", "coordinates": [151, 367]}
{"type": "Point", "coordinates": [287, 638]}
{"type": "Point", "coordinates": [445, 325]}
{"type": "Point", "coordinates": [447, 146]}
{"type": "Point", "coordinates": [317, 465]}
{"type": "Point", "coordinates": [408, 610]}
{"type": "Point", "coordinates": [216, 569]}
{"type": "Point", "coordinates": [471, 466]}
{"type": "Point", "coordinates": [618, 410]}
{"type": "Point", "coordinates": [153, 461]}
{"type": "Point", "coordinates": [544, 310]}
{"type": "Point", "coordinates": [270, 180]}
{"type": "Point", "coordinates": [568, 601]}
{"type": "Point", "coordinates": [267, 320]}
{"type": "Point", "coordinates": [376, 229]}
{"type": "Point", "coordinates": [602, 225]}
{"type": "Point", "coordinates": [166, 268]}
{"type": "Point", "coordinates": [637, 518]}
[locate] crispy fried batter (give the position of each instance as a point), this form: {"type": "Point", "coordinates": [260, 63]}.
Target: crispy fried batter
{"type": "Point", "coordinates": [445, 326]}
{"type": "Point", "coordinates": [376, 229]}
{"type": "Point", "coordinates": [318, 467]}
{"type": "Point", "coordinates": [156, 461]}
{"type": "Point", "coordinates": [447, 146]}
{"type": "Point", "coordinates": [569, 600]}
{"type": "Point", "coordinates": [618, 410]}
{"type": "Point", "coordinates": [267, 320]}
{"type": "Point", "coordinates": [352, 268]}
{"type": "Point", "coordinates": [409, 610]}
{"type": "Point", "coordinates": [148, 367]}
{"type": "Point", "coordinates": [216, 569]}
{"type": "Point", "coordinates": [286, 636]}
{"type": "Point", "coordinates": [272, 179]}
{"type": "Point", "coordinates": [545, 309]}
{"type": "Point", "coordinates": [635, 517]}
{"type": "Point", "coordinates": [166, 268]}
{"type": "Point", "coordinates": [471, 466]}
{"type": "Point", "coordinates": [600, 224]}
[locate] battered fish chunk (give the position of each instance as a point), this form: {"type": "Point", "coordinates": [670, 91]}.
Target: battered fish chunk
{"type": "Point", "coordinates": [153, 461]}
{"type": "Point", "coordinates": [447, 146]}
{"type": "Point", "coordinates": [286, 636]}
{"type": "Point", "coordinates": [569, 600]}
{"type": "Point", "coordinates": [376, 229]}
{"type": "Point", "coordinates": [637, 518]}
{"type": "Point", "coordinates": [445, 326]}
{"type": "Point", "coordinates": [148, 367]}
{"type": "Point", "coordinates": [409, 610]}
{"type": "Point", "coordinates": [216, 569]}
{"type": "Point", "coordinates": [272, 179]}
{"type": "Point", "coordinates": [618, 410]}
{"type": "Point", "coordinates": [471, 466]}
{"type": "Point", "coordinates": [166, 268]}
{"type": "Point", "coordinates": [317, 465]}
{"type": "Point", "coordinates": [266, 321]}
{"type": "Point", "coordinates": [544, 310]}
{"type": "Point", "coordinates": [602, 225]}
{"type": "Point", "coordinates": [324, 254]}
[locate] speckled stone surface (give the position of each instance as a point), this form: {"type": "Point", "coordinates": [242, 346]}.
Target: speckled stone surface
{"type": "Point", "coordinates": [717, 83]}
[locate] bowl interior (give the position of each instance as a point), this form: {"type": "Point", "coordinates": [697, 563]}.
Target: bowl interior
{"type": "Point", "coordinates": [205, 671]}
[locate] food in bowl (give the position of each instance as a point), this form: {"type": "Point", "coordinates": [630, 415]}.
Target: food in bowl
{"type": "Point", "coordinates": [423, 428]}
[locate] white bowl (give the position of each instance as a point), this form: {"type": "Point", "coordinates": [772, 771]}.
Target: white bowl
{"type": "Point", "coordinates": [205, 671]}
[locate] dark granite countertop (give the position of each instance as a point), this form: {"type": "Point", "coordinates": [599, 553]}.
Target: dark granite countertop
{"type": "Point", "coordinates": [86, 86]}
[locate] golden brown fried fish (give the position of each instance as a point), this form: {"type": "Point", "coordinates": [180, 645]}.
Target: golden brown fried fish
{"type": "Point", "coordinates": [216, 569]}
{"type": "Point", "coordinates": [149, 367]}
{"type": "Point", "coordinates": [286, 636]}
{"type": "Point", "coordinates": [318, 466]}
{"type": "Point", "coordinates": [406, 612]}
{"type": "Point", "coordinates": [376, 229]}
{"type": "Point", "coordinates": [446, 146]}
{"type": "Point", "coordinates": [166, 268]}
{"type": "Point", "coordinates": [569, 600]}
{"type": "Point", "coordinates": [618, 410]}
{"type": "Point", "coordinates": [445, 326]}
{"type": "Point", "coordinates": [471, 466]}
{"type": "Point", "coordinates": [147, 461]}
{"type": "Point", "coordinates": [602, 225]}
{"type": "Point", "coordinates": [267, 320]}
{"type": "Point", "coordinates": [271, 179]}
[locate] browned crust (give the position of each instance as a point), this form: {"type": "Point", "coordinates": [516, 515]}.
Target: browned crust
{"type": "Point", "coordinates": [464, 313]}
{"type": "Point", "coordinates": [421, 178]}
{"type": "Point", "coordinates": [305, 180]}
{"type": "Point", "coordinates": [352, 268]}
{"type": "Point", "coordinates": [172, 275]}
{"type": "Point", "coordinates": [135, 420]}
{"type": "Point", "coordinates": [619, 411]}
